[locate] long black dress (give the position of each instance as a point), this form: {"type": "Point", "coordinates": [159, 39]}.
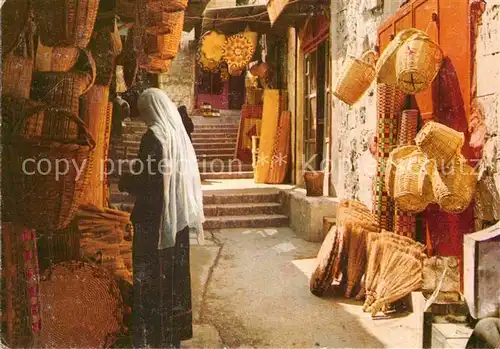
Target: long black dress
{"type": "Point", "coordinates": [162, 312]}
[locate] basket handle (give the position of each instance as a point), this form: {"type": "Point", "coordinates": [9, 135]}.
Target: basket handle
{"type": "Point", "coordinates": [370, 57]}
{"type": "Point", "coordinates": [83, 129]}
{"type": "Point", "coordinates": [90, 63]}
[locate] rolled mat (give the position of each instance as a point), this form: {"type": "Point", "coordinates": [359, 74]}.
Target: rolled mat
{"type": "Point", "coordinates": [281, 151]}
{"type": "Point", "coordinates": [273, 102]}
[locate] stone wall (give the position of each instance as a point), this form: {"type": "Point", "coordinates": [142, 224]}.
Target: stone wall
{"type": "Point", "coordinates": [355, 31]}
{"type": "Point", "coordinates": [179, 82]}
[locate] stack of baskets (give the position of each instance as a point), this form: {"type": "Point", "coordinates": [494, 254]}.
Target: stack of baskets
{"type": "Point", "coordinates": [158, 33]}
{"type": "Point", "coordinates": [434, 172]}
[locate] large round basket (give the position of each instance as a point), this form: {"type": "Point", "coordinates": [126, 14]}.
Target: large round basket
{"type": "Point", "coordinates": [355, 78]}
{"type": "Point", "coordinates": [439, 143]}
{"type": "Point", "coordinates": [15, 16]}
{"type": "Point", "coordinates": [238, 51]}
{"type": "Point", "coordinates": [55, 59]}
{"type": "Point", "coordinates": [314, 182]}
{"type": "Point", "coordinates": [386, 65]}
{"type": "Point", "coordinates": [413, 183]}
{"type": "Point", "coordinates": [65, 23]}
{"type": "Point", "coordinates": [455, 189]}
{"type": "Point", "coordinates": [212, 45]}
{"type": "Point", "coordinates": [395, 157]}
{"type": "Point", "coordinates": [48, 166]}
{"type": "Point", "coordinates": [417, 63]}
{"type": "Point", "coordinates": [82, 307]}
{"type": "Point", "coordinates": [17, 70]}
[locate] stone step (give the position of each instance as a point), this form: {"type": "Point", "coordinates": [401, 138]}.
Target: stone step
{"type": "Point", "coordinates": [214, 166]}
{"type": "Point", "coordinates": [258, 208]}
{"type": "Point", "coordinates": [213, 136]}
{"type": "Point", "coordinates": [198, 130]}
{"type": "Point", "coordinates": [206, 143]}
{"type": "Point", "coordinates": [224, 149]}
{"type": "Point", "coordinates": [211, 157]}
{"type": "Point", "coordinates": [227, 175]}
{"type": "Point", "coordinates": [215, 126]}
{"type": "Point", "coordinates": [240, 197]}
{"type": "Point", "coordinates": [250, 221]}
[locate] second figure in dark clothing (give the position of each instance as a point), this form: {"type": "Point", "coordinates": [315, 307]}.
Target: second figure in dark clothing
{"type": "Point", "coordinates": [186, 120]}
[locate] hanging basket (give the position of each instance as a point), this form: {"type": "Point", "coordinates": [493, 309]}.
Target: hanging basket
{"type": "Point", "coordinates": [395, 157]}
{"type": "Point", "coordinates": [455, 189]}
{"type": "Point", "coordinates": [166, 5]}
{"type": "Point", "coordinates": [386, 65]}
{"type": "Point", "coordinates": [55, 59]}
{"type": "Point", "coordinates": [65, 23]}
{"type": "Point", "coordinates": [418, 62]}
{"type": "Point", "coordinates": [160, 23]}
{"type": "Point", "coordinates": [212, 45]}
{"type": "Point", "coordinates": [82, 307]}
{"type": "Point", "coordinates": [164, 46]}
{"type": "Point", "coordinates": [15, 17]}
{"type": "Point", "coordinates": [64, 89]}
{"type": "Point", "coordinates": [17, 70]}
{"type": "Point", "coordinates": [238, 51]}
{"type": "Point", "coordinates": [156, 65]}
{"type": "Point", "coordinates": [355, 78]}
{"type": "Point", "coordinates": [390, 100]}
{"type": "Point", "coordinates": [314, 182]}
{"type": "Point", "coordinates": [408, 127]}
{"type": "Point", "coordinates": [439, 143]}
{"type": "Point", "coordinates": [413, 183]}
{"type": "Point", "coordinates": [42, 199]}
{"type": "Point", "coordinates": [103, 51]}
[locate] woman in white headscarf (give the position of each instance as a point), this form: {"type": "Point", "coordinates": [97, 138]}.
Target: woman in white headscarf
{"type": "Point", "coordinates": [166, 184]}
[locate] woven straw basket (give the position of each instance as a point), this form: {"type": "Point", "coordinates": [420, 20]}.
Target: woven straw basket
{"type": "Point", "coordinates": [65, 23]}
{"type": "Point", "coordinates": [164, 46]}
{"type": "Point", "coordinates": [454, 191]}
{"type": "Point", "coordinates": [355, 78]}
{"type": "Point", "coordinates": [413, 183]}
{"type": "Point", "coordinates": [408, 127]}
{"type": "Point", "coordinates": [17, 71]}
{"type": "Point", "coordinates": [386, 65]}
{"type": "Point", "coordinates": [157, 65]}
{"type": "Point", "coordinates": [396, 156]}
{"type": "Point", "coordinates": [166, 5]}
{"type": "Point", "coordinates": [161, 23]}
{"type": "Point", "coordinates": [42, 199]}
{"type": "Point", "coordinates": [82, 307]}
{"type": "Point", "coordinates": [418, 62]}
{"type": "Point", "coordinates": [238, 51]}
{"type": "Point", "coordinates": [15, 17]}
{"type": "Point", "coordinates": [439, 142]}
{"type": "Point", "coordinates": [390, 101]}
{"type": "Point", "coordinates": [314, 182]}
{"type": "Point", "coordinates": [55, 59]}
{"type": "Point", "coordinates": [103, 48]}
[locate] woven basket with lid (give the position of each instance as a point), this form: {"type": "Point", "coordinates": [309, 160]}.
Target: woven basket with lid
{"type": "Point", "coordinates": [355, 78]}
{"type": "Point", "coordinates": [17, 69]}
{"type": "Point", "coordinates": [417, 63]}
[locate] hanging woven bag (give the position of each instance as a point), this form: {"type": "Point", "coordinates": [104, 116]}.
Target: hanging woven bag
{"type": "Point", "coordinates": [395, 157]}
{"type": "Point", "coordinates": [15, 17]}
{"type": "Point", "coordinates": [155, 65]}
{"type": "Point", "coordinates": [439, 143]}
{"type": "Point", "coordinates": [166, 5]}
{"type": "Point", "coordinates": [413, 183]}
{"type": "Point", "coordinates": [386, 65]}
{"type": "Point", "coordinates": [455, 189]}
{"type": "Point", "coordinates": [65, 23]}
{"type": "Point", "coordinates": [355, 78]}
{"type": "Point", "coordinates": [17, 69]}
{"type": "Point", "coordinates": [165, 46]}
{"type": "Point", "coordinates": [159, 22]}
{"type": "Point", "coordinates": [63, 90]}
{"type": "Point", "coordinates": [55, 59]}
{"type": "Point", "coordinates": [44, 198]}
{"type": "Point", "coordinates": [417, 63]}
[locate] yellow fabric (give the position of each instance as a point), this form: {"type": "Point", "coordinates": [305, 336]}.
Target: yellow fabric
{"type": "Point", "coordinates": [270, 117]}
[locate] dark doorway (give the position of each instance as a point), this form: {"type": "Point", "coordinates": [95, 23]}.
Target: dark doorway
{"type": "Point", "coordinates": [236, 91]}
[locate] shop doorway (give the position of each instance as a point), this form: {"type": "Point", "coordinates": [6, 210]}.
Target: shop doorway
{"type": "Point", "coordinates": [237, 91]}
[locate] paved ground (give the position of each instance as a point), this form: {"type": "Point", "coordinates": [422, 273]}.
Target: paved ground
{"type": "Point", "coordinates": [250, 289]}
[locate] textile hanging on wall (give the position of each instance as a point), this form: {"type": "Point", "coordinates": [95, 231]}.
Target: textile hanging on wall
{"type": "Point", "coordinates": [250, 125]}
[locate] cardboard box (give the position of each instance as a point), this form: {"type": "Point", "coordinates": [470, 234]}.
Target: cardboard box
{"type": "Point", "coordinates": [482, 272]}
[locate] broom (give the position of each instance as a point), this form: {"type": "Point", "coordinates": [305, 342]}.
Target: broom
{"type": "Point", "coordinates": [356, 262]}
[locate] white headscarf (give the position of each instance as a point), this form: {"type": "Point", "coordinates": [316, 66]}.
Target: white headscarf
{"type": "Point", "coordinates": [183, 199]}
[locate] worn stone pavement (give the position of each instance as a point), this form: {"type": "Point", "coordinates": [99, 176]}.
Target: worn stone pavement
{"type": "Point", "coordinates": [250, 289]}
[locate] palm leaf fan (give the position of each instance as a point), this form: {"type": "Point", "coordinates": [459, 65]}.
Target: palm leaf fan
{"type": "Point", "coordinates": [401, 274]}
{"type": "Point", "coordinates": [238, 51]}
{"type": "Point", "coordinates": [212, 45]}
{"type": "Point", "coordinates": [356, 260]}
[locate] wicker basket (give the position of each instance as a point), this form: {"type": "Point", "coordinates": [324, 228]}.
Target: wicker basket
{"type": "Point", "coordinates": [15, 17]}
{"type": "Point", "coordinates": [408, 127]}
{"type": "Point", "coordinates": [104, 51]}
{"type": "Point", "coordinates": [355, 78]}
{"type": "Point", "coordinates": [164, 46]}
{"type": "Point", "coordinates": [157, 65]}
{"type": "Point", "coordinates": [396, 156]}
{"type": "Point", "coordinates": [413, 183]}
{"type": "Point", "coordinates": [82, 307]}
{"type": "Point", "coordinates": [166, 5]}
{"type": "Point", "coordinates": [20, 286]}
{"type": "Point", "coordinates": [238, 51]}
{"type": "Point", "coordinates": [65, 23]}
{"type": "Point", "coordinates": [439, 142]}
{"type": "Point", "coordinates": [455, 189]}
{"type": "Point", "coordinates": [160, 23]}
{"type": "Point", "coordinates": [64, 89]}
{"type": "Point", "coordinates": [43, 199]}
{"type": "Point", "coordinates": [386, 65]}
{"type": "Point", "coordinates": [55, 59]}
{"type": "Point", "coordinates": [418, 62]}
{"type": "Point", "coordinates": [17, 70]}
{"type": "Point", "coordinates": [314, 182]}
{"type": "Point", "coordinates": [390, 100]}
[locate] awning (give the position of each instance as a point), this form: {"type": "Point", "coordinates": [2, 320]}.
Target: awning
{"type": "Point", "coordinates": [286, 11]}
{"type": "Point", "coordinates": [232, 20]}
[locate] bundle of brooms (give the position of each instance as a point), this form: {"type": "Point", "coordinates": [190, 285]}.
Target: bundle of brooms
{"type": "Point", "coordinates": [96, 222]}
